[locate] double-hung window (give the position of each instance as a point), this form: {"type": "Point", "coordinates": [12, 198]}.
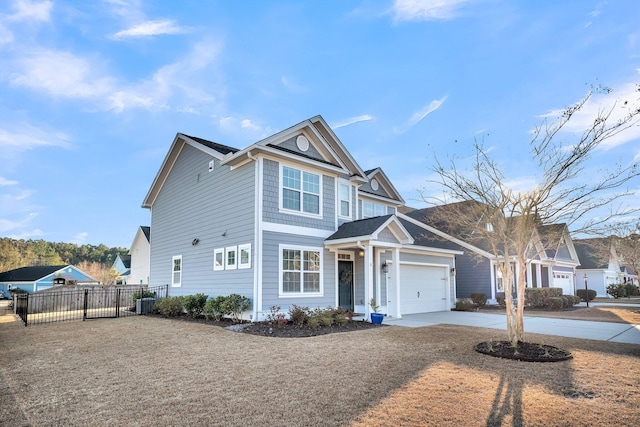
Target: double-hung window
{"type": "Point", "coordinates": [300, 191]}
{"type": "Point", "coordinates": [344, 193]}
{"type": "Point", "coordinates": [300, 271]}
{"type": "Point", "coordinates": [371, 209]}
{"type": "Point", "coordinates": [176, 271]}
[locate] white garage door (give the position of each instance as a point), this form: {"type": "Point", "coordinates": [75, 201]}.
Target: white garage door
{"type": "Point", "coordinates": [422, 289]}
{"type": "Point", "coordinates": [564, 281]}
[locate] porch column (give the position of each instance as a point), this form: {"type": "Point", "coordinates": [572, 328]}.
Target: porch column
{"type": "Point", "coordinates": [530, 284]}
{"type": "Point", "coordinates": [396, 278]}
{"type": "Point", "coordinates": [368, 279]}
{"type": "Point", "coordinates": [538, 276]}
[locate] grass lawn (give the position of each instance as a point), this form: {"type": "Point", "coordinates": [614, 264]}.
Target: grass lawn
{"type": "Point", "coordinates": [144, 371]}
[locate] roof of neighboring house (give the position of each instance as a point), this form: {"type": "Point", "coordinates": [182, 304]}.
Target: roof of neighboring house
{"type": "Point", "coordinates": [126, 260]}
{"type": "Point", "coordinates": [405, 209]}
{"type": "Point", "coordinates": [29, 274]}
{"type": "Point", "coordinates": [222, 149]}
{"type": "Point", "coordinates": [361, 227]}
{"type": "Point", "coordinates": [592, 253]}
{"type": "Point", "coordinates": [426, 238]}
{"type": "Point", "coordinates": [147, 232]}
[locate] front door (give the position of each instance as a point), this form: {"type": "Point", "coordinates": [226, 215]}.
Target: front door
{"type": "Point", "coordinates": [345, 284]}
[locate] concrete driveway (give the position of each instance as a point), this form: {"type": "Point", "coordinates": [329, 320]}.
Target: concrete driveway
{"type": "Point", "coordinates": [602, 331]}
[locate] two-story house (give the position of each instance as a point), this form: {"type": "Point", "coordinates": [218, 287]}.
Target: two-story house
{"type": "Point", "coordinates": [290, 219]}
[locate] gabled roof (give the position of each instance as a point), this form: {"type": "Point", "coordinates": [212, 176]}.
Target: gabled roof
{"type": "Point", "coordinates": [29, 274]}
{"type": "Point", "coordinates": [369, 229]}
{"type": "Point", "coordinates": [222, 149]}
{"type": "Point", "coordinates": [555, 242]}
{"type": "Point", "coordinates": [126, 260]}
{"type": "Point", "coordinates": [385, 189]}
{"type": "Point", "coordinates": [593, 253]}
{"type": "Point", "coordinates": [146, 230]}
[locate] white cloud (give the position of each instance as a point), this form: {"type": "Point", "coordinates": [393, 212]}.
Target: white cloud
{"type": "Point", "coordinates": [419, 115]}
{"type": "Point", "coordinates": [292, 86]}
{"type": "Point", "coordinates": [23, 137]}
{"type": "Point", "coordinates": [6, 182]}
{"type": "Point", "coordinates": [426, 10]}
{"type": "Point", "coordinates": [352, 120]}
{"type": "Point", "coordinates": [252, 130]}
{"type": "Point", "coordinates": [149, 29]}
{"type": "Point", "coordinates": [7, 225]}
{"type": "Point", "coordinates": [80, 238]}
{"type": "Point", "coordinates": [26, 235]}
{"type": "Point", "coordinates": [27, 10]}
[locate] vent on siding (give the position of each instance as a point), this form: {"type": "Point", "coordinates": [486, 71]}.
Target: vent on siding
{"type": "Point", "coordinates": [211, 166]}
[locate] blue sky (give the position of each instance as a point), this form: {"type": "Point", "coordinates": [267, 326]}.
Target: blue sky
{"type": "Point", "coordinates": [93, 93]}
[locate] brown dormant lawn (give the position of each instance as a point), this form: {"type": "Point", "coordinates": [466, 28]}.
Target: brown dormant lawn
{"type": "Point", "coordinates": [146, 371]}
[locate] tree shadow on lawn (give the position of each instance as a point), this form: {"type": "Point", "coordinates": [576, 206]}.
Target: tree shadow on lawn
{"type": "Point", "coordinates": [462, 385]}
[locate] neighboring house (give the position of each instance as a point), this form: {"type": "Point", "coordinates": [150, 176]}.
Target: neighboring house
{"type": "Point", "coordinates": [140, 252]}
{"type": "Point", "coordinates": [122, 264]}
{"type": "Point", "coordinates": [291, 219]}
{"type": "Point", "coordinates": [37, 278]}
{"type": "Point", "coordinates": [599, 265]}
{"type": "Point", "coordinates": [551, 261]}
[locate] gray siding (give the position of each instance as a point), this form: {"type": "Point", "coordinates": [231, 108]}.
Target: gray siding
{"type": "Point", "coordinates": [366, 188]}
{"type": "Point", "coordinates": [195, 203]}
{"type": "Point", "coordinates": [271, 271]}
{"type": "Point", "coordinates": [290, 144]}
{"type": "Point", "coordinates": [473, 275]}
{"type": "Point", "coordinates": [271, 201]}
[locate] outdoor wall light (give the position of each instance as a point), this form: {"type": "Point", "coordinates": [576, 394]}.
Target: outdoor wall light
{"type": "Point", "coordinates": [361, 253]}
{"type": "Point", "coordinates": [195, 242]}
{"type": "Point", "coordinates": [385, 267]}
{"type": "Point", "coordinates": [453, 271]}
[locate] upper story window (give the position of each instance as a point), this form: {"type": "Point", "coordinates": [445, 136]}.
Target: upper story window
{"type": "Point", "coordinates": [344, 193]}
{"type": "Point", "coordinates": [371, 209]}
{"type": "Point", "coordinates": [300, 191]}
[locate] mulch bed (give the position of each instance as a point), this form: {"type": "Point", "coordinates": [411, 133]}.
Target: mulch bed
{"type": "Point", "coordinates": [524, 351]}
{"type": "Point", "coordinates": [289, 330]}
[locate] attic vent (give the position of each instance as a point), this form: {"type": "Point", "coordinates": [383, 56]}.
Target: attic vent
{"type": "Point", "coordinates": [302, 142]}
{"type": "Point", "coordinates": [374, 185]}
{"type": "Point", "coordinates": [211, 166]}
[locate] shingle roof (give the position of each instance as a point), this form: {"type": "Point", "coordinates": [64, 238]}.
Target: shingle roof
{"type": "Point", "coordinates": [222, 149]}
{"type": "Point", "coordinates": [361, 227]}
{"type": "Point", "coordinates": [590, 253]}
{"type": "Point", "coordinates": [29, 274]}
{"type": "Point", "coordinates": [147, 232]}
{"type": "Point", "coordinates": [126, 260]}
{"type": "Point", "coordinates": [287, 150]}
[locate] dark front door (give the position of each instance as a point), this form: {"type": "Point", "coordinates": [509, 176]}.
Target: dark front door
{"type": "Point", "coordinates": [345, 284]}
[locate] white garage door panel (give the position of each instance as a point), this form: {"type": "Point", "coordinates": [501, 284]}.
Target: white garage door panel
{"type": "Point", "coordinates": [422, 289]}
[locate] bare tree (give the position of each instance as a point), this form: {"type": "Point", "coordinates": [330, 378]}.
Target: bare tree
{"type": "Point", "coordinates": [627, 246]}
{"type": "Point", "coordinates": [506, 219]}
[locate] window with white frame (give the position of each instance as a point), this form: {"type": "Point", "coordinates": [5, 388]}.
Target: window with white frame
{"type": "Point", "coordinates": [176, 271]}
{"type": "Point", "coordinates": [300, 191]}
{"type": "Point", "coordinates": [218, 259]}
{"type": "Point", "coordinates": [300, 271]}
{"type": "Point", "coordinates": [230, 258]}
{"type": "Point", "coordinates": [371, 209]}
{"type": "Point", "coordinates": [344, 194]}
{"type": "Point", "coordinates": [244, 254]}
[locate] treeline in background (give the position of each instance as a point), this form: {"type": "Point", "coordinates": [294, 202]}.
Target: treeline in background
{"type": "Point", "coordinates": [96, 261]}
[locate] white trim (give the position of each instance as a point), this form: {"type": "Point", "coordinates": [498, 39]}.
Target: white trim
{"type": "Point", "coordinates": [294, 229]}
{"type": "Point", "coordinates": [227, 251]}
{"type": "Point", "coordinates": [339, 183]}
{"type": "Point", "coordinates": [302, 249]}
{"type": "Point", "coordinates": [216, 252]}
{"type": "Point", "coordinates": [257, 272]}
{"type": "Point", "coordinates": [173, 260]}
{"type": "Point", "coordinates": [246, 247]}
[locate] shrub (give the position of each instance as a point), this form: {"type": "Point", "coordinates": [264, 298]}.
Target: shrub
{"type": "Point", "coordinates": [568, 301]}
{"type": "Point", "coordinates": [536, 297]}
{"type": "Point", "coordinates": [298, 315]}
{"type": "Point", "coordinates": [235, 305]}
{"type": "Point", "coordinates": [194, 304]}
{"type": "Point", "coordinates": [617, 290]}
{"type": "Point", "coordinates": [632, 290]}
{"type": "Point", "coordinates": [465, 304]}
{"type": "Point", "coordinates": [323, 315]}
{"type": "Point", "coordinates": [169, 306]}
{"type": "Point", "coordinates": [501, 300]}
{"type": "Point", "coordinates": [555, 303]}
{"type": "Point", "coordinates": [213, 308]}
{"type": "Point", "coordinates": [480, 300]}
{"type": "Point", "coordinates": [582, 293]}
{"type": "Point", "coordinates": [576, 299]}
{"type": "Point", "coordinates": [143, 294]}
{"type": "Point", "coordinates": [555, 292]}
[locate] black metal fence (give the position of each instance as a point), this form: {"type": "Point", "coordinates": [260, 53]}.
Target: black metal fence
{"type": "Point", "coordinates": [96, 302]}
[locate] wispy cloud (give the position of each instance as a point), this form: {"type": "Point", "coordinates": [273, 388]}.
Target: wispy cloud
{"type": "Point", "coordinates": [352, 120]}
{"type": "Point", "coordinates": [80, 238]}
{"type": "Point", "coordinates": [24, 136]}
{"type": "Point", "coordinates": [252, 129]}
{"type": "Point", "coordinates": [6, 182]}
{"type": "Point", "coordinates": [426, 10]}
{"type": "Point", "coordinates": [150, 29]}
{"type": "Point", "coordinates": [27, 10]}
{"type": "Point", "coordinates": [419, 115]}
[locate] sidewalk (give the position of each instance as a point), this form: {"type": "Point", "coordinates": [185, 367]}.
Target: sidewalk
{"type": "Point", "coordinates": [602, 331]}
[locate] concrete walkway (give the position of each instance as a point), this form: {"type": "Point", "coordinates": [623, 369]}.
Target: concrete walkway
{"type": "Point", "coordinates": [602, 331]}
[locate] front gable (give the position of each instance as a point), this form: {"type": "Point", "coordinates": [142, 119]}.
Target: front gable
{"type": "Point", "coordinates": [379, 186]}
{"type": "Point", "coordinates": [386, 230]}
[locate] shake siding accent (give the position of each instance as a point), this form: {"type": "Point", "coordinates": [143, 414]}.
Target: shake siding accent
{"type": "Point", "coordinates": [271, 201]}
{"type": "Point", "coordinates": [197, 204]}
{"type": "Point", "coordinates": [366, 188]}
{"type": "Point", "coordinates": [387, 237]}
{"type": "Point", "coordinates": [271, 271]}
{"type": "Point", "coordinates": [290, 144]}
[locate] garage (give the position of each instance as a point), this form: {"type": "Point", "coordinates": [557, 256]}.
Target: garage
{"type": "Point", "coordinates": [564, 281]}
{"type": "Point", "coordinates": [423, 288]}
